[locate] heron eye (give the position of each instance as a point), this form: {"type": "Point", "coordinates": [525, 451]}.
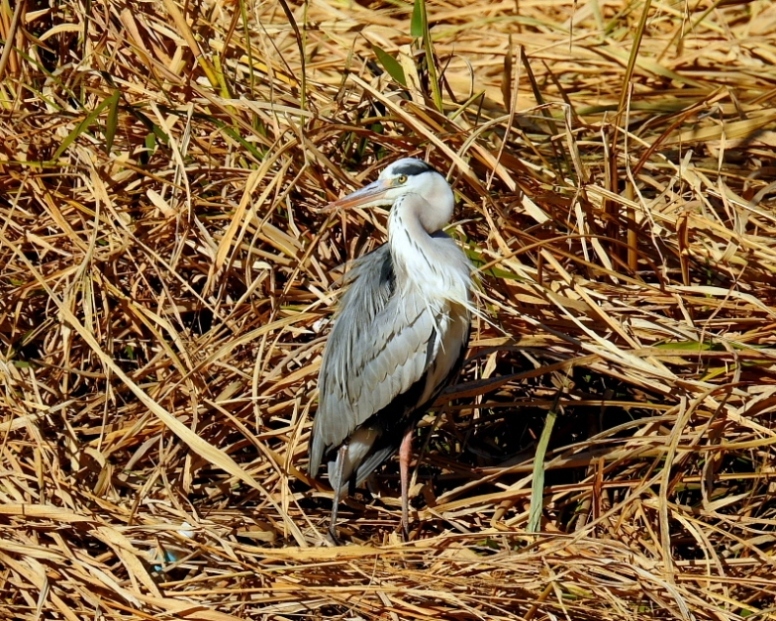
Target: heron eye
{"type": "Point", "coordinates": [402, 179]}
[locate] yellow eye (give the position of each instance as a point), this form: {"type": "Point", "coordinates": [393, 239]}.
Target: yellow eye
{"type": "Point", "coordinates": [401, 180]}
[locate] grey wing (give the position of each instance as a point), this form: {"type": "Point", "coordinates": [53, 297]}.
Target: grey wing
{"type": "Point", "coordinates": [379, 347]}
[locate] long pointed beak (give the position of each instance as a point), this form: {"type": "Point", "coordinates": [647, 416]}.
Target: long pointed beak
{"type": "Point", "coordinates": [368, 196]}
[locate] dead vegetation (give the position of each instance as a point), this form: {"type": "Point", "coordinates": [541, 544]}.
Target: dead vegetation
{"type": "Point", "coordinates": [166, 281]}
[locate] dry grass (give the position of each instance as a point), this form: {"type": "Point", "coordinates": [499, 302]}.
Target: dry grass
{"type": "Point", "coordinates": [165, 280]}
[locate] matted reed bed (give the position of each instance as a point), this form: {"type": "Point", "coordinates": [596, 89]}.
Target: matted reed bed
{"type": "Point", "coordinates": [167, 284]}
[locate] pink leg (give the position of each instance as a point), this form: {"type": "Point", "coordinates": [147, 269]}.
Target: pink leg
{"type": "Point", "coordinates": [405, 453]}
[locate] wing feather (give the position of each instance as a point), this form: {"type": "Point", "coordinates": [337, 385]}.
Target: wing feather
{"type": "Point", "coordinates": [387, 348]}
{"type": "Point", "coordinates": [378, 349]}
{"type": "Point", "coordinates": [371, 281]}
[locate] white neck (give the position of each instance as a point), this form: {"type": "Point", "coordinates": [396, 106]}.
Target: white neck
{"type": "Point", "coordinates": [435, 265]}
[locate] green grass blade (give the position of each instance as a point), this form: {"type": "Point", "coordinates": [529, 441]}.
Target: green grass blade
{"type": "Point", "coordinates": [537, 484]}
{"type": "Point", "coordinates": [416, 25]}
{"type": "Point", "coordinates": [419, 15]}
{"type": "Point", "coordinates": [112, 121]}
{"type": "Point", "coordinates": [391, 65]}
{"type": "Point", "coordinates": [82, 127]}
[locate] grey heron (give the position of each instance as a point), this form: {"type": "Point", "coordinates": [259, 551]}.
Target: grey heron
{"type": "Point", "coordinates": [400, 335]}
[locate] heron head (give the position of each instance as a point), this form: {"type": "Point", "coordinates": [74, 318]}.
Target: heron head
{"type": "Point", "coordinates": [403, 177]}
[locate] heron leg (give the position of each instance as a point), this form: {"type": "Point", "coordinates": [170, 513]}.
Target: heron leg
{"type": "Point", "coordinates": [336, 471]}
{"type": "Point", "coordinates": [405, 453]}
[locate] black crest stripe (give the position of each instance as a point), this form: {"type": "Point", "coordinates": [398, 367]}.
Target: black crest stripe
{"type": "Point", "coordinates": [412, 168]}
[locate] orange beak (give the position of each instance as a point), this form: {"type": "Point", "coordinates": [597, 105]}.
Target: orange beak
{"type": "Point", "coordinates": [369, 196]}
